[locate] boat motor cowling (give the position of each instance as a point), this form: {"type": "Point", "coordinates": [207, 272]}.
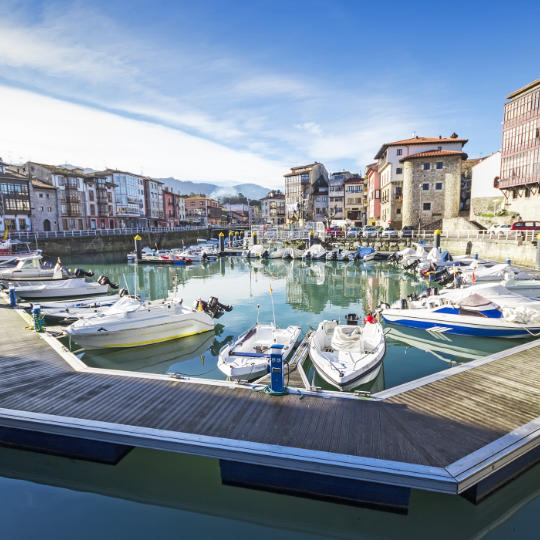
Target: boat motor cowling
{"type": "Point", "coordinates": [104, 280]}
{"type": "Point", "coordinates": [123, 292]}
{"type": "Point", "coordinates": [79, 272]}
{"type": "Point", "coordinates": [352, 319]}
{"type": "Point", "coordinates": [214, 307]}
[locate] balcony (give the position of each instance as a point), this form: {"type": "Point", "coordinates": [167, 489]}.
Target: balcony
{"type": "Point", "coordinates": [70, 199]}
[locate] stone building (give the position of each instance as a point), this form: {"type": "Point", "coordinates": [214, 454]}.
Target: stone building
{"type": "Point", "coordinates": [431, 187]}
{"type": "Point", "coordinates": [306, 193]}
{"type": "Point", "coordinates": [391, 170]}
{"type": "Point", "coordinates": [43, 203]}
{"type": "Point", "coordinates": [355, 202]}
{"type": "Point", "coordinates": [273, 208]}
{"type": "Point", "coordinates": [100, 201]}
{"type": "Point", "coordinates": [520, 159]}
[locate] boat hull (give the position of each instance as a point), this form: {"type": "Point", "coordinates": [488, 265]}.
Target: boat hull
{"type": "Point", "coordinates": [139, 336]}
{"type": "Point", "coordinates": [31, 292]}
{"type": "Point", "coordinates": [437, 322]}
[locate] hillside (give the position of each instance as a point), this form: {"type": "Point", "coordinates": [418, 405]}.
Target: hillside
{"type": "Point", "coordinates": [185, 187]}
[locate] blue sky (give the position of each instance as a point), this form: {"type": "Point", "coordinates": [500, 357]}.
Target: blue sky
{"type": "Point", "coordinates": [242, 90]}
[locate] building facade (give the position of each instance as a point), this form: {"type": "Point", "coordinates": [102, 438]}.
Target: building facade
{"type": "Point", "coordinates": [520, 158]}
{"type": "Point", "coordinates": [100, 201]}
{"type": "Point", "coordinates": [43, 205]}
{"type": "Point", "coordinates": [203, 211]}
{"type": "Point", "coordinates": [303, 186]}
{"type": "Point", "coordinates": [336, 194]}
{"type": "Point", "coordinates": [14, 201]}
{"type": "Point", "coordinates": [153, 194]}
{"type": "Point", "coordinates": [355, 201]}
{"type": "Point", "coordinates": [130, 205]}
{"type": "Point", "coordinates": [273, 208]}
{"type": "Point", "coordinates": [373, 180]}
{"type": "Point", "coordinates": [486, 197]}
{"type": "Point", "coordinates": [431, 187]}
{"type": "Point", "coordinates": [391, 169]}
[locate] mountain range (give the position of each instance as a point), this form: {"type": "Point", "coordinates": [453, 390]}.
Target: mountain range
{"type": "Point", "coordinates": [186, 187]}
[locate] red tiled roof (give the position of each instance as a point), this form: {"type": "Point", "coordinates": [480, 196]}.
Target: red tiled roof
{"type": "Point", "coordinates": [419, 140]}
{"type": "Point", "coordinates": [435, 153]}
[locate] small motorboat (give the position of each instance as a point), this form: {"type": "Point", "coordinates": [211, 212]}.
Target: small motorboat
{"type": "Point", "coordinates": [347, 355]}
{"type": "Point", "coordinates": [315, 253]}
{"type": "Point", "coordinates": [69, 311]}
{"type": "Point", "coordinates": [292, 253]}
{"type": "Point", "coordinates": [249, 356]}
{"type": "Point", "coordinates": [10, 249]}
{"type": "Point", "coordinates": [257, 251]}
{"type": "Point", "coordinates": [339, 254]}
{"type": "Point", "coordinates": [376, 256]}
{"type": "Point", "coordinates": [65, 288]}
{"type": "Point", "coordinates": [131, 322]}
{"type": "Point", "coordinates": [481, 310]}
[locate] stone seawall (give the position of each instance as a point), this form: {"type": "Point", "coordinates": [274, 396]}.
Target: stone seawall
{"type": "Point", "coordinates": [495, 250]}
{"type": "Point", "coordinates": [120, 243]}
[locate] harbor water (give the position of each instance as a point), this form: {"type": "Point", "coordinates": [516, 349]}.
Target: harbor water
{"type": "Point", "coordinates": [152, 494]}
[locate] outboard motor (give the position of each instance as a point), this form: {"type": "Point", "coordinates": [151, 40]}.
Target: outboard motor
{"type": "Point", "coordinates": [79, 272]}
{"type": "Point", "coordinates": [214, 307]}
{"type": "Point", "coordinates": [404, 304]}
{"type": "Point", "coordinates": [352, 319]}
{"type": "Point", "coordinates": [123, 292]}
{"type": "Point", "coordinates": [104, 280]}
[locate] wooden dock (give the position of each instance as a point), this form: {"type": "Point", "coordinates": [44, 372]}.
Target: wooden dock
{"type": "Point", "coordinates": [464, 430]}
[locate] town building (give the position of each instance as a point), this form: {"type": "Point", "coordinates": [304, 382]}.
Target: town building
{"type": "Point", "coordinates": [391, 169]}
{"type": "Point", "coordinates": [486, 198]}
{"type": "Point", "coordinates": [431, 187]}
{"type": "Point", "coordinates": [239, 213]}
{"type": "Point", "coordinates": [129, 198]}
{"type": "Point", "coordinates": [153, 195]}
{"type": "Point", "coordinates": [355, 201]}
{"type": "Point", "coordinates": [336, 194]}
{"type": "Point", "coordinates": [70, 192]}
{"type": "Point", "coordinates": [466, 179]}
{"type": "Point", "coordinates": [373, 180]}
{"type": "Point", "coordinates": [44, 206]}
{"type": "Point", "coordinates": [306, 193]}
{"type": "Point", "coordinates": [520, 158]}
{"type": "Point", "coordinates": [171, 208]}
{"type": "Point", "coordinates": [203, 211]}
{"type": "Point", "coordinates": [14, 201]}
{"type": "Point", "coordinates": [273, 208]}
{"type": "Point", "coordinates": [100, 201]}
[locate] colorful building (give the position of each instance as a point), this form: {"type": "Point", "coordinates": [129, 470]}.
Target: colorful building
{"type": "Point", "coordinates": [373, 180]}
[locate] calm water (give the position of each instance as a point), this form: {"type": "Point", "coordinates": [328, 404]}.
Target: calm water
{"type": "Point", "coordinates": [158, 495]}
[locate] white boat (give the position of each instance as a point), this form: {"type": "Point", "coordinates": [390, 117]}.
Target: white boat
{"type": "Point", "coordinates": [255, 252]}
{"type": "Point", "coordinates": [493, 274]}
{"type": "Point", "coordinates": [347, 355]}
{"type": "Point", "coordinates": [292, 253]}
{"type": "Point", "coordinates": [90, 303]}
{"type": "Point", "coordinates": [339, 254]}
{"type": "Point", "coordinates": [275, 251]}
{"type": "Point", "coordinates": [10, 249]}
{"type": "Point", "coordinates": [66, 288]}
{"type": "Point", "coordinates": [315, 252]}
{"type": "Point", "coordinates": [133, 323]}
{"type": "Point", "coordinates": [249, 356]}
{"type": "Point", "coordinates": [198, 254]}
{"type": "Point", "coordinates": [482, 310]}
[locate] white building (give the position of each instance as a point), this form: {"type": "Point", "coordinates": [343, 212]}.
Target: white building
{"type": "Point", "coordinates": [486, 197]}
{"type": "Point", "coordinates": [129, 197]}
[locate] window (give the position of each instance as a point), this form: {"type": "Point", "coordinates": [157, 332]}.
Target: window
{"type": "Point", "coordinates": [41, 208]}
{"type": "Point", "coordinates": [398, 211]}
{"type": "Point", "coordinates": [438, 186]}
{"type": "Point", "coordinates": [399, 170]}
{"type": "Point", "coordinates": [41, 195]}
{"type": "Point", "coordinates": [439, 164]}
{"type": "Point", "coordinates": [425, 166]}
{"type": "Point", "coordinates": [377, 193]}
{"type": "Point", "coordinates": [426, 206]}
{"type": "Point", "coordinates": [425, 187]}
{"type": "Point", "coordinates": [49, 209]}
{"type": "Point", "coordinates": [399, 151]}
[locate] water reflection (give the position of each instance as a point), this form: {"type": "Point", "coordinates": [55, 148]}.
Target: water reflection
{"type": "Point", "coordinates": [305, 292]}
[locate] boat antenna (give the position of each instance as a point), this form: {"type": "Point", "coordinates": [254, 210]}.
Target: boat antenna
{"type": "Point", "coordinates": [273, 309]}
{"type": "Point", "coordinates": [125, 281]}
{"type": "Point", "coordinates": [258, 310]}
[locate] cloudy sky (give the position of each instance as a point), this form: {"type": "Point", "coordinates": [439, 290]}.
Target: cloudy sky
{"type": "Point", "coordinates": [241, 91]}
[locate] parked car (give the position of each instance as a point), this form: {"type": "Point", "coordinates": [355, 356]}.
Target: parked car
{"type": "Point", "coordinates": [525, 226]}
{"type": "Point", "coordinates": [354, 232]}
{"type": "Point", "coordinates": [496, 230]}
{"type": "Point", "coordinates": [407, 231]}
{"type": "Point", "coordinates": [369, 231]}
{"type": "Point", "coordinates": [389, 232]}
{"type": "Point", "coordinates": [335, 232]}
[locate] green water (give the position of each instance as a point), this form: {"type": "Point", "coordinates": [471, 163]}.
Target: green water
{"type": "Point", "coordinates": [156, 495]}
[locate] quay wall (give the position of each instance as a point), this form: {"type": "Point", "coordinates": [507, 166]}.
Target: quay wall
{"type": "Point", "coordinates": [120, 243]}
{"type": "Point", "coordinates": [523, 254]}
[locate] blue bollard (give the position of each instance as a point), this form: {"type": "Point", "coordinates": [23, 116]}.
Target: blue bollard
{"type": "Point", "coordinates": [508, 261]}
{"type": "Point", "coordinates": [12, 296]}
{"type": "Point", "coordinates": [36, 314]}
{"type": "Point", "coordinates": [277, 384]}
{"type": "Point", "coordinates": [476, 256]}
